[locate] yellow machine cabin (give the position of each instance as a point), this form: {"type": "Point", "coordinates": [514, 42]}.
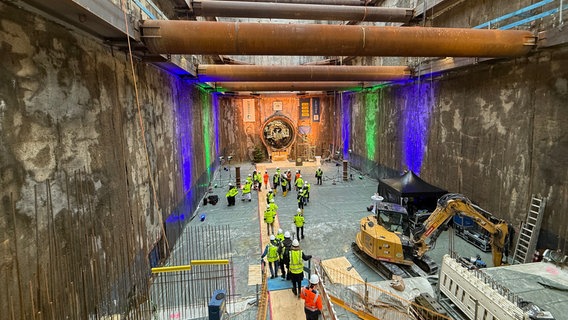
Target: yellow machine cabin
{"type": "Point", "coordinates": [384, 235]}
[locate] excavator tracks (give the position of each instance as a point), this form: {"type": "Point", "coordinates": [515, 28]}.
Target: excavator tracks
{"type": "Point", "coordinates": [387, 269]}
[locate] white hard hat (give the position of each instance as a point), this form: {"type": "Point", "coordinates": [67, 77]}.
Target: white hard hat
{"type": "Point", "coordinates": [272, 237]}
{"type": "Point", "coordinates": [305, 181]}
{"type": "Point", "coordinates": [299, 210]}
{"type": "Point", "coordinates": [230, 184]}
{"type": "Point", "coordinates": [250, 175]}
{"type": "Point", "coordinates": [295, 243]}
{"type": "Point", "coordinates": [280, 231]}
{"type": "Point", "coordinates": [286, 234]}
{"type": "Point", "coordinates": [271, 200]}
{"type": "Point", "coordinates": [277, 168]}
{"type": "Point", "coordinates": [300, 176]}
{"type": "Point", "coordinates": [319, 167]}
{"type": "Point", "coordinates": [270, 190]}
{"type": "Point", "coordinates": [314, 279]}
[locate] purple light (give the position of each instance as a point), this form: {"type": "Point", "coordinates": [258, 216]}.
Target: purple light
{"type": "Point", "coordinates": [345, 122]}
{"type": "Point", "coordinates": [415, 122]}
{"type": "Point", "coordinates": [185, 141]}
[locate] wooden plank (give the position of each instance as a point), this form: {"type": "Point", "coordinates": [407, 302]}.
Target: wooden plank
{"type": "Point", "coordinates": [286, 306]}
{"type": "Point", "coordinates": [255, 275]}
{"type": "Point", "coordinates": [340, 270]}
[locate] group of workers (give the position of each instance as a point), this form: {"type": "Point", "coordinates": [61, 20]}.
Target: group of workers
{"type": "Point", "coordinates": [286, 255]}
{"type": "Point", "coordinates": [283, 251]}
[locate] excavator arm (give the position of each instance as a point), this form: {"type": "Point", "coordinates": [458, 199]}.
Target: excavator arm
{"type": "Point", "coordinates": [453, 204]}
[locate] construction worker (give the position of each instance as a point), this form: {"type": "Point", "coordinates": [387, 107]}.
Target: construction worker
{"type": "Point", "coordinates": [280, 236]}
{"type": "Point", "coordinates": [319, 176]}
{"type": "Point", "coordinates": [246, 190]}
{"type": "Point", "coordinates": [278, 171]}
{"type": "Point", "coordinates": [269, 215]}
{"type": "Point", "coordinates": [289, 179]}
{"type": "Point", "coordinates": [265, 177]}
{"type": "Point", "coordinates": [269, 196]}
{"type": "Point", "coordinates": [273, 206]}
{"type": "Point", "coordinates": [253, 178]}
{"type": "Point", "coordinates": [299, 222]}
{"type": "Point", "coordinates": [275, 182]}
{"type": "Point", "coordinates": [296, 266]}
{"type": "Point", "coordinates": [284, 252]}
{"type": "Point", "coordinates": [284, 183]}
{"type": "Point", "coordinates": [296, 176]}
{"type": "Point", "coordinates": [301, 198]}
{"type": "Point", "coordinates": [271, 254]}
{"type": "Point", "coordinates": [308, 187]}
{"type": "Point", "coordinates": [231, 194]}
{"type": "Point", "coordinates": [299, 183]}
{"type": "Point", "coordinates": [258, 181]}
{"type": "Point", "coordinates": [312, 299]}
{"type": "Point", "coordinates": [249, 178]}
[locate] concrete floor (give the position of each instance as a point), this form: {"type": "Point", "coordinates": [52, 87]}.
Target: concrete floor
{"type": "Point", "coordinates": [332, 219]}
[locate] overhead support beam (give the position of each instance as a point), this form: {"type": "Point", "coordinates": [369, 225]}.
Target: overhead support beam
{"type": "Point", "coordinates": [320, 2]}
{"type": "Point", "coordinates": [233, 38]}
{"type": "Point", "coordinates": [291, 86]}
{"type": "Point", "coordinates": [243, 9]}
{"type": "Point", "coordinates": [213, 73]}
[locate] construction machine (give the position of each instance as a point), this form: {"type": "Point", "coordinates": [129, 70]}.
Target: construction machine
{"type": "Point", "coordinates": [453, 204]}
{"type": "Point", "coordinates": [394, 248]}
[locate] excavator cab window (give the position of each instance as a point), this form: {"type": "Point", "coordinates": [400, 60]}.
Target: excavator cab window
{"type": "Point", "coordinates": [393, 217]}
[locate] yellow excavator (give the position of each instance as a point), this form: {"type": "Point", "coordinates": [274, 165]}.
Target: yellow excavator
{"type": "Point", "coordinates": [395, 248]}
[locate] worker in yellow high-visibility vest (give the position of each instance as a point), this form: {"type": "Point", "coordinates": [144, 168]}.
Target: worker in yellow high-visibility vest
{"type": "Point", "coordinates": [296, 267]}
{"type": "Point", "coordinates": [269, 215]}
{"type": "Point", "coordinates": [271, 254]}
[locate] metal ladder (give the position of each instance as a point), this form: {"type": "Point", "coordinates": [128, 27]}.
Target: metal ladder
{"type": "Point", "coordinates": [530, 229]}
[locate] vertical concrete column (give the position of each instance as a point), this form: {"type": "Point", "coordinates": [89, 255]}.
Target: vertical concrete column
{"type": "Point", "coordinates": [238, 176]}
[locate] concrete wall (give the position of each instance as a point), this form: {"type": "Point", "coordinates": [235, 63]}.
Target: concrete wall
{"type": "Point", "coordinates": [495, 132]}
{"type": "Point", "coordinates": [77, 197]}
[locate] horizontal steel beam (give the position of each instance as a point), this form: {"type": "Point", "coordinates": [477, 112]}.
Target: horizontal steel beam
{"type": "Point", "coordinates": [233, 38]}
{"type": "Point", "coordinates": [291, 86]}
{"type": "Point", "coordinates": [214, 8]}
{"type": "Point", "coordinates": [213, 73]}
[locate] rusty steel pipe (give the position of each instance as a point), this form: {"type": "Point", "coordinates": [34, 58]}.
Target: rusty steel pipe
{"type": "Point", "coordinates": [214, 72]}
{"type": "Point", "coordinates": [233, 38]}
{"type": "Point", "coordinates": [214, 8]}
{"type": "Point", "coordinates": [319, 2]}
{"type": "Point", "coordinates": [291, 86]}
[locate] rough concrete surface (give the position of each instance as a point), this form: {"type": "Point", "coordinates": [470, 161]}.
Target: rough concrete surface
{"type": "Point", "coordinates": [83, 194]}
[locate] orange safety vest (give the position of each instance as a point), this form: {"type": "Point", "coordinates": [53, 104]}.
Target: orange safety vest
{"type": "Point", "coordinates": [313, 299]}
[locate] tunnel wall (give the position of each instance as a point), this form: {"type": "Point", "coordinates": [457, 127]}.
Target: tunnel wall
{"type": "Point", "coordinates": [239, 137]}
{"type": "Point", "coordinates": [87, 193]}
{"type": "Point", "coordinates": [495, 132]}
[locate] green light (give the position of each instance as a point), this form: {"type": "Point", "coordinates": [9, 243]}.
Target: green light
{"type": "Point", "coordinates": [206, 114]}
{"type": "Point", "coordinates": [371, 107]}
{"type": "Point", "coordinates": [378, 87]}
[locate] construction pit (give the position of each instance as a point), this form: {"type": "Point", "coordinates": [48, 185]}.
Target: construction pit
{"type": "Point", "coordinates": [352, 290]}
